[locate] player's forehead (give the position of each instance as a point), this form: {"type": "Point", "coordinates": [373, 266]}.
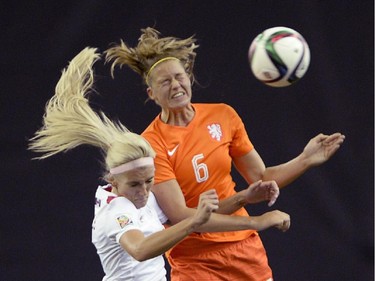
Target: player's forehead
{"type": "Point", "coordinates": [168, 68]}
{"type": "Point", "coordinates": [139, 174]}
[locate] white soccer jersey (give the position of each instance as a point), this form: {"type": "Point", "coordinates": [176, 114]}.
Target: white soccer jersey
{"type": "Point", "coordinates": [113, 217]}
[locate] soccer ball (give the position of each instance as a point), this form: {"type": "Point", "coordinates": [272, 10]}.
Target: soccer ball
{"type": "Point", "coordinates": [279, 56]}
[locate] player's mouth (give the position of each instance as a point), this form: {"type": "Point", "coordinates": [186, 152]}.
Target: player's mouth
{"type": "Point", "coordinates": [177, 95]}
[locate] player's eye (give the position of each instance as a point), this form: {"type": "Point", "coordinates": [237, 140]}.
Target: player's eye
{"type": "Point", "coordinates": [165, 82]}
{"type": "Point", "coordinates": [180, 77]}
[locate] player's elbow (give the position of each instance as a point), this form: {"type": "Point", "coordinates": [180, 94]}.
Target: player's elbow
{"type": "Point", "coordinates": [140, 254]}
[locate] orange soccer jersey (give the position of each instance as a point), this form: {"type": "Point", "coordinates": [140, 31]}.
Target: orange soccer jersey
{"type": "Point", "coordinates": [199, 157]}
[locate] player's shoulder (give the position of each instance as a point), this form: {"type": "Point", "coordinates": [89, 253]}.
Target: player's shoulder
{"type": "Point", "coordinates": [152, 132]}
{"type": "Point", "coordinates": [150, 127]}
{"type": "Point", "coordinates": [122, 203]}
{"type": "Point", "coordinates": [213, 106]}
{"type": "Point", "coordinates": [216, 109]}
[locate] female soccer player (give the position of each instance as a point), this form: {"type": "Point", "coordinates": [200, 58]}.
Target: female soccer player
{"type": "Point", "coordinates": [127, 230]}
{"type": "Point", "coordinates": [195, 146]}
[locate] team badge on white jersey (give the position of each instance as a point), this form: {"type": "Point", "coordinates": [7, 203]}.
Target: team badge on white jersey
{"type": "Point", "coordinates": [124, 221]}
{"type": "Point", "coordinates": [215, 131]}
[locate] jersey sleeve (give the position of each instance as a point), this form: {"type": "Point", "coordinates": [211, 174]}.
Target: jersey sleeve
{"type": "Point", "coordinates": [154, 204]}
{"type": "Point", "coordinates": [122, 217]}
{"type": "Point", "coordinates": [164, 168]}
{"type": "Point", "coordinates": [241, 143]}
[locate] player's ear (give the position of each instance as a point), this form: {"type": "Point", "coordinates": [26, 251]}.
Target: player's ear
{"type": "Point", "coordinates": [111, 179]}
{"type": "Point", "coordinates": [150, 93]}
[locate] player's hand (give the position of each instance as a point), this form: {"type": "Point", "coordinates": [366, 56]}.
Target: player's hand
{"type": "Point", "coordinates": [320, 148]}
{"type": "Point", "coordinates": [275, 218]}
{"type": "Point", "coordinates": [262, 191]}
{"type": "Point", "coordinates": [208, 203]}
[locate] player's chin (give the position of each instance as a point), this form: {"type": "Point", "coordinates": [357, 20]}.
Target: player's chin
{"type": "Point", "coordinates": [140, 202]}
{"type": "Point", "coordinates": [180, 103]}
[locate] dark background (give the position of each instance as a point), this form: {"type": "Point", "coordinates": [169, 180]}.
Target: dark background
{"type": "Point", "coordinates": [47, 206]}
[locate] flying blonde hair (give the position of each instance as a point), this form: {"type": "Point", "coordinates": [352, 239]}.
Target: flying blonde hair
{"type": "Point", "coordinates": [150, 49]}
{"type": "Point", "coordinates": [69, 121]}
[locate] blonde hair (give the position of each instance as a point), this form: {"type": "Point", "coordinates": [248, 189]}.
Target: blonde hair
{"type": "Point", "coordinates": [150, 49]}
{"type": "Point", "coordinates": [69, 121]}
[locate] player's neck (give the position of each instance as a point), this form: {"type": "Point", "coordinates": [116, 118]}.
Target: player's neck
{"type": "Point", "coordinates": [178, 117]}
